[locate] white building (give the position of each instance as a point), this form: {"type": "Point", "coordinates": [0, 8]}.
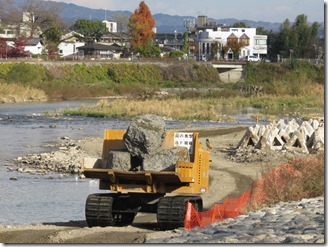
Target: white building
{"type": "Point", "coordinates": [11, 31]}
{"type": "Point", "coordinates": [69, 45]}
{"type": "Point", "coordinates": [7, 32]}
{"type": "Point", "coordinates": [252, 44]}
{"type": "Point", "coordinates": [34, 46]}
{"type": "Point", "coordinates": [69, 48]}
{"type": "Point", "coordinates": [111, 26]}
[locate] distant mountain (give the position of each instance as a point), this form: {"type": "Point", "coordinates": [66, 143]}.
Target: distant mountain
{"type": "Point", "coordinates": [170, 23]}
{"type": "Point", "coordinates": [72, 12]}
{"type": "Point", "coordinates": [164, 23]}
{"type": "Point", "coordinates": [266, 25]}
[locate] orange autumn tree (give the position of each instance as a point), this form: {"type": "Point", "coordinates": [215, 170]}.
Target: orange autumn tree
{"type": "Point", "coordinates": [141, 25]}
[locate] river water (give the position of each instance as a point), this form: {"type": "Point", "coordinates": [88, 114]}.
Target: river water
{"type": "Point", "coordinates": [50, 198]}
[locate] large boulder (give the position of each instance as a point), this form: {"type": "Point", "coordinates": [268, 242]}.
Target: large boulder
{"type": "Point", "coordinates": [166, 159]}
{"type": "Point", "coordinates": [119, 160]}
{"type": "Point", "coordinates": [145, 135]}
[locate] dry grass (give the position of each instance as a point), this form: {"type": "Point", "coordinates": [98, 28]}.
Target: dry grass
{"type": "Point", "coordinates": [208, 109]}
{"type": "Point", "coordinates": [205, 109]}
{"type": "Point", "coordinates": [12, 93]}
{"type": "Point", "coordinates": [299, 178]}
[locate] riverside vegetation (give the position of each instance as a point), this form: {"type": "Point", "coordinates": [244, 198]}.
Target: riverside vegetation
{"type": "Point", "coordinates": [294, 85]}
{"type": "Point", "coordinates": [299, 178]}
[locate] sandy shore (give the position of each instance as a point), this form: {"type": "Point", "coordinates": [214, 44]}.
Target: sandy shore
{"type": "Point", "coordinates": [227, 178]}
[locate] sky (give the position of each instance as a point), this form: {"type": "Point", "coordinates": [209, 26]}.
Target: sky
{"type": "Point", "coordinates": [255, 10]}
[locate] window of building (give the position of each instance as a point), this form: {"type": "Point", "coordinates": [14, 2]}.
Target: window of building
{"type": "Point", "coordinates": [260, 41]}
{"type": "Point", "coordinates": [244, 39]}
{"type": "Point", "coordinates": [232, 39]}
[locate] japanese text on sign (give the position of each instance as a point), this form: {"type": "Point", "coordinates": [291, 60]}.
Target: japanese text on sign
{"type": "Point", "coordinates": [184, 139]}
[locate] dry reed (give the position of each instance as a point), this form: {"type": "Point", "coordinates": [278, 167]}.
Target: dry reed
{"type": "Point", "coordinates": [205, 109]}
{"type": "Point", "coordinates": [299, 178]}
{"type": "Point", "coordinates": [17, 93]}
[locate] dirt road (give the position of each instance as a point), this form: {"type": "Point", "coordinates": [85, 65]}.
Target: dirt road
{"type": "Point", "coordinates": [227, 178]}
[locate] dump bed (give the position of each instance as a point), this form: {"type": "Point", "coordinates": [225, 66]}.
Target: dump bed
{"type": "Point", "coordinates": [188, 177]}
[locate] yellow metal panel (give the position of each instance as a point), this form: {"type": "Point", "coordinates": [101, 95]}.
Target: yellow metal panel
{"type": "Point", "coordinates": [188, 177]}
{"type": "Point", "coordinates": [113, 140]}
{"type": "Point", "coordinates": [168, 140]}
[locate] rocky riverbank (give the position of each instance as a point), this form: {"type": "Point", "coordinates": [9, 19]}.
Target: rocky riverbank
{"type": "Point", "coordinates": [230, 175]}
{"type": "Point", "coordinates": [66, 157]}
{"type": "Point", "coordinates": [285, 223]}
{"type": "Point", "coordinates": [68, 154]}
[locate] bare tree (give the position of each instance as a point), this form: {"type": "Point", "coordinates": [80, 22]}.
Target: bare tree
{"type": "Point", "coordinates": [40, 16]}
{"type": "Point", "coordinates": [122, 21]}
{"type": "Point", "coordinates": [9, 13]}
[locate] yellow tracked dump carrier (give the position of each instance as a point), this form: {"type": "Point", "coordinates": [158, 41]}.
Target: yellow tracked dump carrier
{"type": "Point", "coordinates": [131, 192]}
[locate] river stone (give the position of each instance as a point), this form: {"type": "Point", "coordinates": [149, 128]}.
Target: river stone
{"type": "Point", "coordinates": [119, 160]}
{"type": "Point", "coordinates": [166, 159]}
{"type": "Point", "coordinates": [145, 135]}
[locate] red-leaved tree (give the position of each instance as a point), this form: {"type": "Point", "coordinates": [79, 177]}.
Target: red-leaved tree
{"type": "Point", "coordinates": [3, 48]}
{"type": "Point", "coordinates": [19, 47]}
{"type": "Point", "coordinates": [141, 25]}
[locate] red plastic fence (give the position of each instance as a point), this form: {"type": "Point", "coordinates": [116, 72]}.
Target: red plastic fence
{"type": "Point", "coordinates": [232, 207]}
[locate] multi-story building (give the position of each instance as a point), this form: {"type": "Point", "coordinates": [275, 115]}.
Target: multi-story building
{"type": "Point", "coordinates": [202, 21]}
{"type": "Point", "coordinates": [111, 26]}
{"type": "Point", "coordinates": [226, 39]}
{"type": "Point", "coordinates": [7, 32]}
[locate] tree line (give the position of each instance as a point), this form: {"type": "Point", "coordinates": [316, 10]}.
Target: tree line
{"type": "Point", "coordinates": [297, 40]}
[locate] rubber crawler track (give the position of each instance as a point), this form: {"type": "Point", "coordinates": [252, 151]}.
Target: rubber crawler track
{"type": "Point", "coordinates": [98, 210]}
{"type": "Point", "coordinates": [171, 211]}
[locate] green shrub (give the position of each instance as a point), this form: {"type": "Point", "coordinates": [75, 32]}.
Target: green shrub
{"type": "Point", "coordinates": [27, 73]}
{"type": "Point", "coordinates": [284, 78]}
{"type": "Point", "coordinates": [5, 69]}
{"type": "Point", "coordinates": [176, 54]}
{"type": "Point", "coordinates": [111, 72]}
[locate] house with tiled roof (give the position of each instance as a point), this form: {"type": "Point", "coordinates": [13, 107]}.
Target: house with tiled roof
{"type": "Point", "coordinates": [100, 51]}
{"type": "Point", "coordinates": [34, 46]}
{"type": "Point", "coordinates": [67, 48]}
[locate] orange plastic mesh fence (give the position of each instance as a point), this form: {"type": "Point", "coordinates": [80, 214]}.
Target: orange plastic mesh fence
{"type": "Point", "coordinates": [232, 207]}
